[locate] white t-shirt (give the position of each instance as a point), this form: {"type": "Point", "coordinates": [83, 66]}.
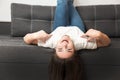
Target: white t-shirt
{"type": "Point", "coordinates": [74, 33]}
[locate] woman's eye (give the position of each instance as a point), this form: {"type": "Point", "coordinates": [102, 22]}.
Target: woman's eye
{"type": "Point", "coordinates": [69, 50]}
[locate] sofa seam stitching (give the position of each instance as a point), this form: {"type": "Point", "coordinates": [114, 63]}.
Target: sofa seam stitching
{"type": "Point", "coordinates": [51, 17]}
{"type": "Point", "coordinates": [116, 27]}
{"type": "Point", "coordinates": [95, 17]}
{"type": "Point", "coordinates": [31, 20]}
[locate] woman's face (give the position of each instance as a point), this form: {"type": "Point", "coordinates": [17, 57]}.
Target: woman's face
{"type": "Point", "coordinates": [65, 47]}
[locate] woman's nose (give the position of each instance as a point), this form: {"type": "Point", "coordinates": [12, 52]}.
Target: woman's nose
{"type": "Point", "coordinates": [65, 47]}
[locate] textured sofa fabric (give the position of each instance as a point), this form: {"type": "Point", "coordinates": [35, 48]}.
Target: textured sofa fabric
{"type": "Point", "coordinates": [30, 18]}
{"type": "Point", "coordinates": [19, 61]}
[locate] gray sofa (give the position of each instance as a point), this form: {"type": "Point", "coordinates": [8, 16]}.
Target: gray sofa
{"type": "Point", "coordinates": [19, 61]}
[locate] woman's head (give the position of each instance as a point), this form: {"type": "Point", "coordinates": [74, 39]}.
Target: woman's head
{"type": "Point", "coordinates": [65, 47]}
{"type": "Point", "coordinates": [65, 69]}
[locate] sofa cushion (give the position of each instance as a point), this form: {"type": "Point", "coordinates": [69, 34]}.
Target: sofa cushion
{"type": "Point", "coordinates": [105, 18]}
{"type": "Point", "coordinates": [30, 18]}
{"type": "Point", "coordinates": [19, 60]}
{"type": "Point", "coordinates": [13, 49]}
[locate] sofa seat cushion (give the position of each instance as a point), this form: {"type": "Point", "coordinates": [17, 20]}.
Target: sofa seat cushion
{"type": "Point", "coordinates": [20, 59]}
{"type": "Point", "coordinates": [103, 56]}
{"type": "Point", "coordinates": [13, 49]}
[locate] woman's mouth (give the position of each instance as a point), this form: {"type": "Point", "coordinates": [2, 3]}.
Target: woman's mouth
{"type": "Point", "coordinates": [64, 41]}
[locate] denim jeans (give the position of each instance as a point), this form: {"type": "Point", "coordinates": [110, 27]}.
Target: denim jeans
{"type": "Point", "coordinates": [67, 15]}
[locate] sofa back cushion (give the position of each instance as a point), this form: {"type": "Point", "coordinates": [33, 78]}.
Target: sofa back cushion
{"type": "Point", "coordinates": [105, 18]}
{"type": "Point", "coordinates": [30, 18]}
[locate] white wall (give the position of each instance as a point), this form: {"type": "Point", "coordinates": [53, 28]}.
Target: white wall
{"type": "Point", "coordinates": [5, 5]}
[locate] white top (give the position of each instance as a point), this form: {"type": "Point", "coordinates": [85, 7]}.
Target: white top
{"type": "Point", "coordinates": [74, 33]}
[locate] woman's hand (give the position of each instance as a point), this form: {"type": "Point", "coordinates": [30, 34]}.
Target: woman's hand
{"type": "Point", "coordinates": [33, 38]}
{"type": "Point", "coordinates": [41, 35]}
{"type": "Point", "coordinates": [101, 38]}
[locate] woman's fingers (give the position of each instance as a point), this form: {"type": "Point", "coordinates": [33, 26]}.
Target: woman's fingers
{"type": "Point", "coordinates": [89, 38]}
{"type": "Point", "coordinates": [45, 38]}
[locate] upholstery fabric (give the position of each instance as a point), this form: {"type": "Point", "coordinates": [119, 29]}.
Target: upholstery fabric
{"type": "Point", "coordinates": [28, 62]}
{"type": "Point", "coordinates": [30, 18]}
{"type": "Point", "coordinates": [16, 44]}
{"type": "Point", "coordinates": [102, 17]}
{"type": "Point", "coordinates": [5, 28]}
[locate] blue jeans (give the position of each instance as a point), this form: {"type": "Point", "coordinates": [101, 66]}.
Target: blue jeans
{"type": "Point", "coordinates": [67, 15]}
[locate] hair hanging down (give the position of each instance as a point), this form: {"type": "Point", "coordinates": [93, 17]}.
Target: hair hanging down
{"type": "Point", "coordinates": [65, 69]}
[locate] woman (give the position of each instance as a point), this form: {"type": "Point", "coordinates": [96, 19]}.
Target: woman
{"type": "Point", "coordinates": [67, 37]}
{"type": "Point", "coordinates": [68, 33]}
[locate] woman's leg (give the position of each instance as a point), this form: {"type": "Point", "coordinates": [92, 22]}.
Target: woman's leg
{"type": "Point", "coordinates": [61, 14]}
{"type": "Point", "coordinates": [75, 19]}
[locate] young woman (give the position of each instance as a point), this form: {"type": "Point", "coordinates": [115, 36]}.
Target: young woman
{"type": "Point", "coordinates": [67, 37]}
{"type": "Point", "coordinates": [68, 33]}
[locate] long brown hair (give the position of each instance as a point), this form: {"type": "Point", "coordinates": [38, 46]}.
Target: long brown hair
{"type": "Point", "coordinates": [65, 69]}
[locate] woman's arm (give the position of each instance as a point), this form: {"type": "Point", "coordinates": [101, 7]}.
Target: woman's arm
{"type": "Point", "coordinates": [101, 38]}
{"type": "Point", "coordinates": [33, 38]}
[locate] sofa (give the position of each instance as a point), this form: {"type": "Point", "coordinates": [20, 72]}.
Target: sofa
{"type": "Point", "coordinates": [19, 61]}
